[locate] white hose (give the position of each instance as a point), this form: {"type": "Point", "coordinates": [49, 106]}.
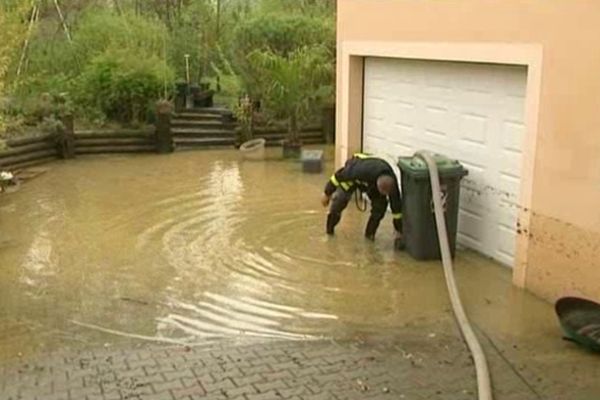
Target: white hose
{"type": "Point", "coordinates": [484, 388]}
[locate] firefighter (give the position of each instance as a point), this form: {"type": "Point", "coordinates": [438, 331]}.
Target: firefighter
{"type": "Point", "coordinates": [370, 175]}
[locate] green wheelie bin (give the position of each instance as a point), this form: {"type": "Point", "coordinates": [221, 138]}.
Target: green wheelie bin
{"type": "Point", "coordinates": [418, 219]}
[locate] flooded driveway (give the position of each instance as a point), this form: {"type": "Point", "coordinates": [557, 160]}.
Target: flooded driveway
{"type": "Point", "coordinates": [199, 246]}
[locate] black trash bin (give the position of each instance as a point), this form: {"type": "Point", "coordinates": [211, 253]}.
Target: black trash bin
{"type": "Point", "coordinates": [181, 90]}
{"type": "Point", "coordinates": [418, 219]}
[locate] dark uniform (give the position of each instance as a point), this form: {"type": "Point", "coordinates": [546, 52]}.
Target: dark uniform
{"type": "Point", "coordinates": [361, 172]}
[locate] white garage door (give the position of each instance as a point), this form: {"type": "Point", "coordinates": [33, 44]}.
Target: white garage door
{"type": "Point", "coordinates": [467, 111]}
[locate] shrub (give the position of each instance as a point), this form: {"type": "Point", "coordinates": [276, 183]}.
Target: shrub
{"type": "Point", "coordinates": [13, 28]}
{"type": "Point", "coordinates": [114, 67]}
{"type": "Point", "coordinates": [281, 35]}
{"type": "Point", "coordinates": [295, 83]}
{"type": "Point", "coordinates": [124, 86]}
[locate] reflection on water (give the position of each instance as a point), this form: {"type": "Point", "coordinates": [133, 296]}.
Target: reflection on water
{"type": "Point", "coordinates": [198, 246]}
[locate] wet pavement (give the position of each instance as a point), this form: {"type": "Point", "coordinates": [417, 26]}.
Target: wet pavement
{"type": "Point", "coordinates": [198, 252]}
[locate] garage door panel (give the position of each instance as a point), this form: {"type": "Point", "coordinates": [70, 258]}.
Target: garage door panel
{"type": "Point", "coordinates": [508, 186]}
{"type": "Point", "coordinates": [471, 100]}
{"type": "Point", "coordinates": [436, 121]}
{"type": "Point", "coordinates": [512, 82]}
{"type": "Point", "coordinates": [513, 109]}
{"type": "Point", "coordinates": [513, 135]}
{"type": "Point", "coordinates": [378, 109]}
{"type": "Point", "coordinates": [436, 93]}
{"type": "Point", "coordinates": [477, 172]}
{"type": "Point", "coordinates": [510, 163]}
{"type": "Point", "coordinates": [471, 112]}
{"type": "Point", "coordinates": [506, 244]}
{"type": "Point", "coordinates": [508, 212]}
{"type": "Point", "coordinates": [404, 89]}
{"type": "Point", "coordinates": [403, 134]}
{"type": "Point", "coordinates": [473, 128]}
{"type": "Point", "coordinates": [470, 231]}
{"type": "Point", "coordinates": [377, 128]}
{"type": "Point", "coordinates": [404, 114]}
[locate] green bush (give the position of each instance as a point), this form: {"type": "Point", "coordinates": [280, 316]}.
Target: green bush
{"type": "Point", "coordinates": [295, 83]}
{"type": "Point", "coordinates": [124, 86]}
{"type": "Point", "coordinates": [193, 33]}
{"type": "Point", "coordinates": [115, 60]}
{"type": "Point", "coordinates": [280, 35]}
{"type": "Point", "coordinates": [94, 32]}
{"type": "Point", "coordinates": [283, 33]}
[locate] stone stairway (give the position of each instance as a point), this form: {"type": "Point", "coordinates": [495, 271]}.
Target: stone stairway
{"type": "Point", "coordinates": [202, 127]}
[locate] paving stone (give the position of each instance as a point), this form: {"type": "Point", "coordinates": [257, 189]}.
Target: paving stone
{"type": "Point", "coordinates": [405, 370]}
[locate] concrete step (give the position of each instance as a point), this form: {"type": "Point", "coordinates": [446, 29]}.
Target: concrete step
{"type": "Point", "coordinates": [113, 141]}
{"type": "Point", "coordinates": [197, 116]}
{"type": "Point", "coordinates": [140, 148]}
{"type": "Point", "coordinates": [202, 124]}
{"type": "Point", "coordinates": [206, 110]}
{"type": "Point", "coordinates": [203, 142]}
{"type": "Point", "coordinates": [201, 132]}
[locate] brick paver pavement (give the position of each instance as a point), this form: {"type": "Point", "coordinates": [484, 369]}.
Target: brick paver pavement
{"type": "Point", "coordinates": [407, 367]}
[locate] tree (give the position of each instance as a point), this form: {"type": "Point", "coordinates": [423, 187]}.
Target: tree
{"type": "Point", "coordinates": [294, 83]}
{"type": "Point", "coordinates": [14, 23]}
{"type": "Point", "coordinates": [281, 34]}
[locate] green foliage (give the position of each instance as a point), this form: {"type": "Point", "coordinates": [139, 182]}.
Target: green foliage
{"type": "Point", "coordinates": [125, 53]}
{"type": "Point", "coordinates": [294, 83]}
{"type": "Point", "coordinates": [13, 29]}
{"type": "Point", "coordinates": [96, 31]}
{"type": "Point", "coordinates": [283, 33]}
{"type": "Point", "coordinates": [232, 84]}
{"type": "Point", "coordinates": [114, 67]}
{"type": "Point", "coordinates": [323, 8]}
{"type": "Point", "coordinates": [193, 33]}
{"type": "Point", "coordinates": [123, 86]}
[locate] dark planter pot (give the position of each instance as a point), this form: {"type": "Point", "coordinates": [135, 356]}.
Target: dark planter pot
{"type": "Point", "coordinates": [181, 88]}
{"type": "Point", "coordinates": [194, 90]}
{"type": "Point", "coordinates": [228, 117]}
{"type": "Point", "coordinates": [291, 149]}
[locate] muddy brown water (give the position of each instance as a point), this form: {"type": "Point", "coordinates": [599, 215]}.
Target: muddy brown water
{"type": "Point", "coordinates": [199, 246]}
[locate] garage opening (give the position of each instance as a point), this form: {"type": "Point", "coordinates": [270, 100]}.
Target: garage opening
{"type": "Point", "coordinates": [469, 111]}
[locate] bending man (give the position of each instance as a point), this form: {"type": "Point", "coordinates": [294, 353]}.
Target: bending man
{"type": "Point", "coordinates": [370, 175]}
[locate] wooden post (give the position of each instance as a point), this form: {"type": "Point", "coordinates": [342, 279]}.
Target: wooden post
{"type": "Point", "coordinates": [65, 138]}
{"type": "Point", "coordinates": [163, 135]}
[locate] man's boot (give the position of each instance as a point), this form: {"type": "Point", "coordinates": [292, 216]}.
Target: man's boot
{"type": "Point", "coordinates": [332, 221]}
{"type": "Point", "coordinates": [399, 243]}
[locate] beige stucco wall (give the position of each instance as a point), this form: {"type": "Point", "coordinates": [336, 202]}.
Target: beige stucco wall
{"type": "Point", "coordinates": [560, 243]}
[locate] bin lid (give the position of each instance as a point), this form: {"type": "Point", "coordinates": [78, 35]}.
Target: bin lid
{"type": "Point", "coordinates": [416, 167]}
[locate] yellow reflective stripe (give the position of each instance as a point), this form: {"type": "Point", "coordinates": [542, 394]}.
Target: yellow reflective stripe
{"type": "Point", "coordinates": [346, 185]}
{"type": "Point", "coordinates": [361, 155]}
{"type": "Point", "coordinates": [397, 215]}
{"type": "Point", "coordinates": [334, 180]}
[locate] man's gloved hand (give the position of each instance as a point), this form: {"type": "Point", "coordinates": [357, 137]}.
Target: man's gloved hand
{"type": "Point", "coordinates": [325, 200]}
